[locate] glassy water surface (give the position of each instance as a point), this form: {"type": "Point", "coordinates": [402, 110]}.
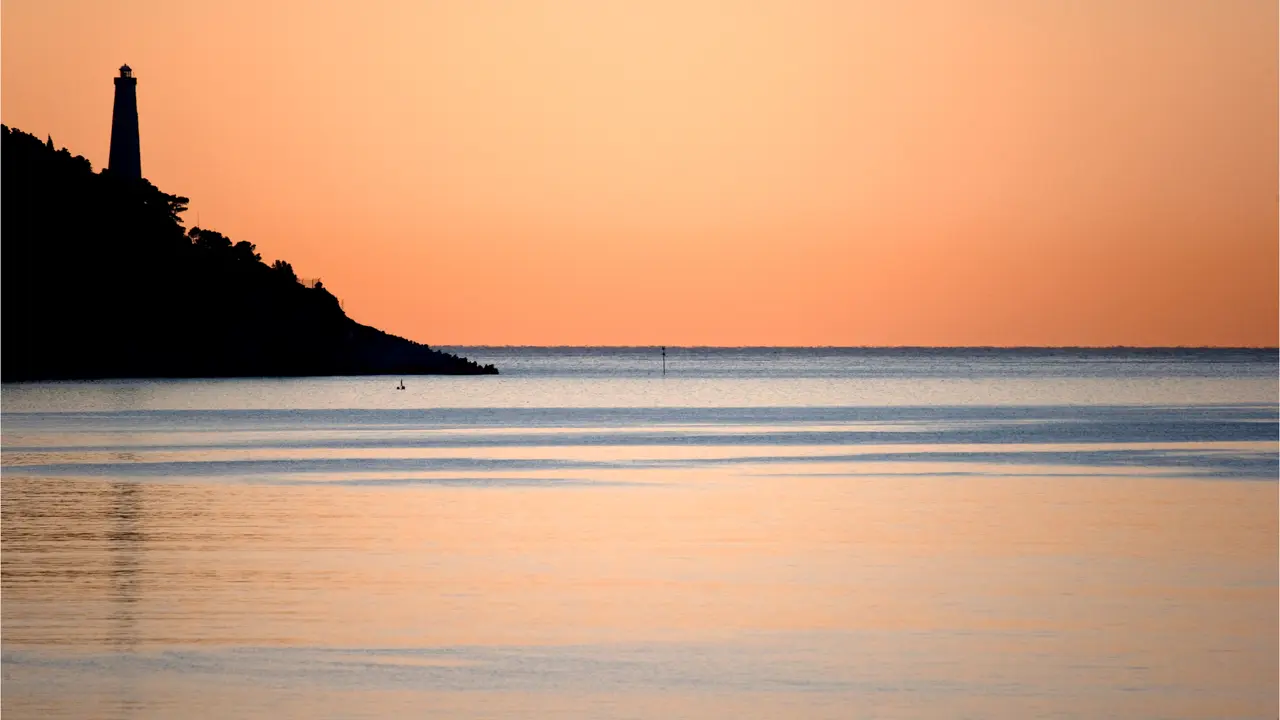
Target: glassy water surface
{"type": "Point", "coordinates": [771, 533]}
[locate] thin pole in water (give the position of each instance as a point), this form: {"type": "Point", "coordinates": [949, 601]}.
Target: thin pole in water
{"type": "Point", "coordinates": [664, 360]}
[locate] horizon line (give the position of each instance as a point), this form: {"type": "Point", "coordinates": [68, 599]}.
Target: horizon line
{"type": "Point", "coordinates": [872, 347]}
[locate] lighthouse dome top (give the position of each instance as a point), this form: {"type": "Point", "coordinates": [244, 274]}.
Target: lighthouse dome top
{"type": "Point", "coordinates": [126, 71]}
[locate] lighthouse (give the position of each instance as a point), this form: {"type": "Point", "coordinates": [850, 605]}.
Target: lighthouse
{"type": "Point", "coordinates": [126, 157]}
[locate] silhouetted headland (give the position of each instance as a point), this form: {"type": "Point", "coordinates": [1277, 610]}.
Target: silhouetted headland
{"type": "Point", "coordinates": [101, 280]}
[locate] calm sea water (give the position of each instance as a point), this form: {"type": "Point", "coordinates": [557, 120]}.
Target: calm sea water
{"type": "Point", "coordinates": [761, 533]}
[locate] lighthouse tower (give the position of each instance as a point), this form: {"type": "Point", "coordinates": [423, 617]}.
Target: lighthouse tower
{"type": "Point", "coordinates": [126, 157]}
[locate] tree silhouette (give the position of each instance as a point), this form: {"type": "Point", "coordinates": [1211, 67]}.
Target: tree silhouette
{"type": "Point", "coordinates": [285, 270]}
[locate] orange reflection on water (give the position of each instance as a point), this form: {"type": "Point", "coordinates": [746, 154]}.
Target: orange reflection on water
{"type": "Point", "coordinates": [699, 558]}
{"type": "Point", "coordinates": [1056, 582]}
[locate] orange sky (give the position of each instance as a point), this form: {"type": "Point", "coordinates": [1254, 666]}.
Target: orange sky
{"type": "Point", "coordinates": [712, 172]}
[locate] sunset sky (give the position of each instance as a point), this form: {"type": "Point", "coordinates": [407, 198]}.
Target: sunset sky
{"type": "Point", "coordinates": [708, 172]}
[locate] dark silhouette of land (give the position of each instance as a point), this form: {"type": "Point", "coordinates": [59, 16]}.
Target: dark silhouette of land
{"type": "Point", "coordinates": [101, 280]}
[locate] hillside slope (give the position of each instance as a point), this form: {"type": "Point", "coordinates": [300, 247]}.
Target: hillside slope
{"type": "Point", "coordinates": [100, 280]}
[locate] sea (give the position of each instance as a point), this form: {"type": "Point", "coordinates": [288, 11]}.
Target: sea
{"type": "Point", "coordinates": [640, 533]}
